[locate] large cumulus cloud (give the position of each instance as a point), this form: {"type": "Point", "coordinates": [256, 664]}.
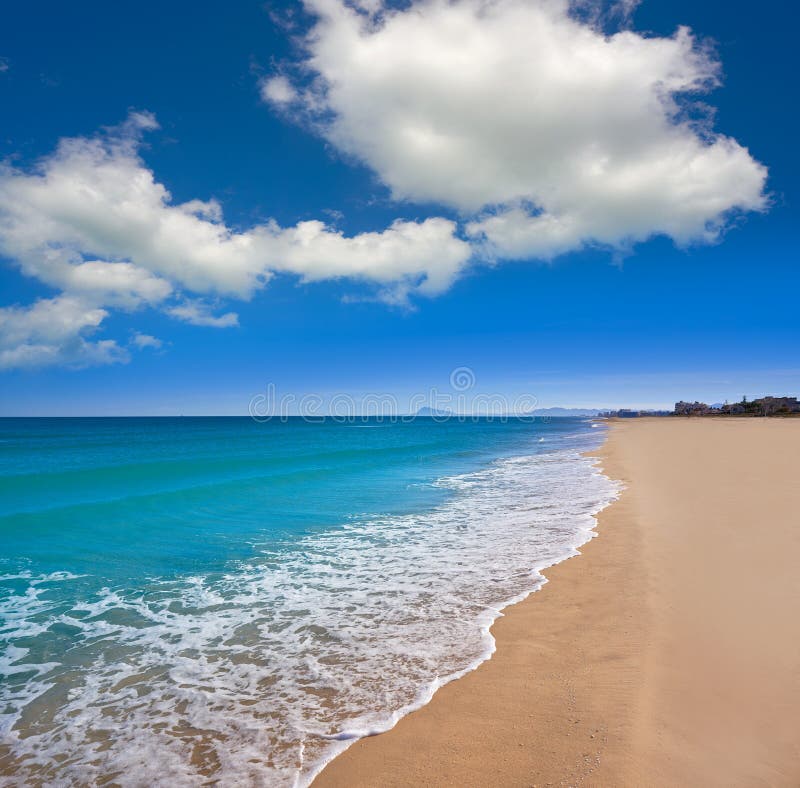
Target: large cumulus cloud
{"type": "Point", "coordinates": [542, 130]}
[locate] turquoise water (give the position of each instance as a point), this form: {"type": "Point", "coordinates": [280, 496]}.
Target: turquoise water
{"type": "Point", "coordinates": [215, 596]}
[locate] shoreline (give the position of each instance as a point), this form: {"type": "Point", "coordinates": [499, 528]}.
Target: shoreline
{"type": "Point", "coordinates": [634, 663]}
{"type": "Point", "coordinates": [488, 619]}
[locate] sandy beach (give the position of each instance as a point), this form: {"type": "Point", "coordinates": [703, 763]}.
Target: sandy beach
{"type": "Point", "coordinates": [668, 653]}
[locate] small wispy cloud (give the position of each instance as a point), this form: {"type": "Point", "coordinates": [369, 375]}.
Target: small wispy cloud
{"type": "Point", "coordinates": [200, 313]}
{"type": "Point", "coordinates": [146, 340]}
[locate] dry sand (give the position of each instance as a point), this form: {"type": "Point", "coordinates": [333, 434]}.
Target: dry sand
{"type": "Point", "coordinates": [668, 653]}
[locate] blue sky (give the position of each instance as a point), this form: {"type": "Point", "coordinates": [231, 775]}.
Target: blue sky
{"type": "Point", "coordinates": [607, 316]}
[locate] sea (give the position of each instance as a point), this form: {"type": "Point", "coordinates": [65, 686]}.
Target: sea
{"type": "Point", "coordinates": [190, 601]}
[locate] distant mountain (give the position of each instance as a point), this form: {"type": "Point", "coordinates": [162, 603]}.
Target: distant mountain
{"type": "Point", "coordinates": [426, 411]}
{"type": "Point", "coordinates": [559, 412]}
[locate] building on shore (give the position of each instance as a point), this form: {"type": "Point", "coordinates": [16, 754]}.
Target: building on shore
{"type": "Point", "coordinates": [627, 413]}
{"type": "Point", "coordinates": [764, 406]}
{"type": "Point", "coordinates": [692, 409]}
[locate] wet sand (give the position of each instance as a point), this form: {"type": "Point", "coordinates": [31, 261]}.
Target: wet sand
{"type": "Point", "coordinates": [668, 653]}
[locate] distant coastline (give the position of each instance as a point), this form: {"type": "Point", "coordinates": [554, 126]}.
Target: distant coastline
{"type": "Point", "coordinates": [762, 407]}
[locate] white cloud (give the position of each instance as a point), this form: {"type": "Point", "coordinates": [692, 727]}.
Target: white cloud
{"type": "Point", "coordinates": [544, 130]}
{"type": "Point", "coordinates": [146, 340]}
{"type": "Point", "coordinates": [92, 220]}
{"type": "Point", "coordinates": [121, 284]}
{"type": "Point", "coordinates": [424, 257]}
{"type": "Point", "coordinates": [4, 66]}
{"type": "Point", "coordinates": [198, 313]}
{"type": "Point", "coordinates": [278, 90]}
{"type": "Point", "coordinates": [54, 330]}
{"type": "Point", "coordinates": [96, 199]}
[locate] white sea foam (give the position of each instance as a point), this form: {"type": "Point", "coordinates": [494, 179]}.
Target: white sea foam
{"type": "Point", "coordinates": [260, 675]}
